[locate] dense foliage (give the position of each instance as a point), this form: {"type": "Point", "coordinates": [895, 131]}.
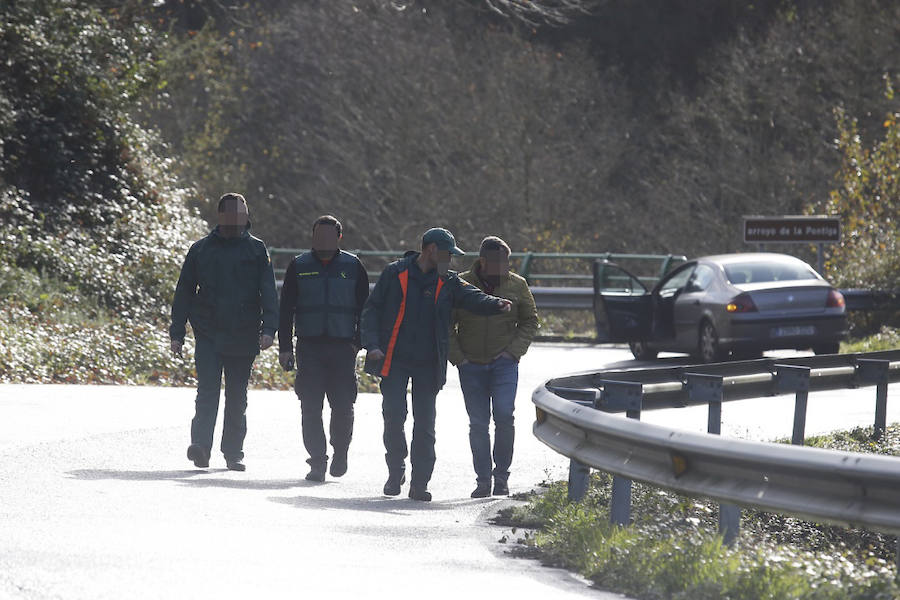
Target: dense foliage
{"type": "Point", "coordinates": [641, 126]}
{"type": "Point", "coordinates": [94, 225]}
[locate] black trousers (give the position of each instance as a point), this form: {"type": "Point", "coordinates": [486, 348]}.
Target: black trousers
{"type": "Point", "coordinates": [394, 408]}
{"type": "Point", "coordinates": [210, 366]}
{"type": "Point", "coordinates": [326, 367]}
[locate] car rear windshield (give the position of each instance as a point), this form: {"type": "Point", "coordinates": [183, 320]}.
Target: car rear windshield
{"type": "Point", "coordinates": [760, 272]}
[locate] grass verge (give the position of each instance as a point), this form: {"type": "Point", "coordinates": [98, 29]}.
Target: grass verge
{"type": "Point", "coordinates": [671, 550]}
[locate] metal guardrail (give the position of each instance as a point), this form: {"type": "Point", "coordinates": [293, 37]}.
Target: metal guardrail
{"type": "Point", "coordinates": [821, 485]}
{"type": "Point", "coordinates": [524, 261]}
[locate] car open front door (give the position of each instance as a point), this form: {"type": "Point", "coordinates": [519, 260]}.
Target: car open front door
{"type": "Point", "coordinates": [622, 306]}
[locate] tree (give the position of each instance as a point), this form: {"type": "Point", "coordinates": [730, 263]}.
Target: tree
{"type": "Point", "coordinates": [867, 198]}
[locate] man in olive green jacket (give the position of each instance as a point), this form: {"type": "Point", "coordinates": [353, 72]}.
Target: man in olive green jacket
{"type": "Point", "coordinates": [487, 349]}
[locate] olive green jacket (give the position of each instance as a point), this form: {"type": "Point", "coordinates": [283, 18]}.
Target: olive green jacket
{"type": "Point", "coordinates": [480, 339]}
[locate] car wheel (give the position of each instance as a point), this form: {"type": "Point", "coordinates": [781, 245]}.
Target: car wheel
{"type": "Point", "coordinates": [708, 345]}
{"type": "Point", "coordinates": [642, 351]}
{"type": "Point", "coordinates": [833, 348]}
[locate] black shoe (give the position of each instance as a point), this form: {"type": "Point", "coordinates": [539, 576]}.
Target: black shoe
{"type": "Point", "coordinates": [421, 494]}
{"type": "Point", "coordinates": [338, 464]}
{"type": "Point", "coordinates": [316, 469]}
{"type": "Point", "coordinates": [482, 490]}
{"type": "Point", "coordinates": [393, 483]}
{"type": "Point", "coordinates": [501, 488]}
{"type": "Point", "coordinates": [316, 473]}
{"type": "Point", "coordinates": [235, 465]}
{"type": "Point", "coordinates": [199, 455]}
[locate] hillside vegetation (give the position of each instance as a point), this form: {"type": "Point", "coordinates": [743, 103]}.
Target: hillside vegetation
{"type": "Point", "coordinates": [638, 126]}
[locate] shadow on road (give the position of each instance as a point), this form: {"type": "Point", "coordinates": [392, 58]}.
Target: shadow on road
{"type": "Point", "coordinates": [182, 478]}
{"type": "Point", "coordinates": [381, 504]}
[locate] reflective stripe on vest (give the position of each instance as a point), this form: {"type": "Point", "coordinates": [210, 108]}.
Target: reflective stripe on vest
{"type": "Point", "coordinates": [403, 276]}
{"type": "Point", "coordinates": [437, 291]}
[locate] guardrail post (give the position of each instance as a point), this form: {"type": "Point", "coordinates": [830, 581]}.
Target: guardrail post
{"type": "Point", "coordinates": [617, 396]}
{"type": "Point", "coordinates": [869, 371]}
{"type": "Point", "coordinates": [709, 389]}
{"type": "Point", "coordinates": [526, 265]}
{"type": "Point", "coordinates": [579, 477]}
{"type": "Point", "coordinates": [789, 378]}
{"type": "Point", "coordinates": [665, 265]}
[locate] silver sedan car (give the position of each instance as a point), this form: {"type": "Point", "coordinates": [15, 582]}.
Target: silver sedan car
{"type": "Point", "coordinates": [716, 307]}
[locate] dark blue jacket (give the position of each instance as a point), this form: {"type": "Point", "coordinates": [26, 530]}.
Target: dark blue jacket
{"type": "Point", "coordinates": [392, 318]}
{"type": "Point", "coordinates": [227, 290]}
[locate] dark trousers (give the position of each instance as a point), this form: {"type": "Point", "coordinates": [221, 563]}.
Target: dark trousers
{"type": "Point", "coordinates": [490, 389]}
{"type": "Point", "coordinates": [210, 366]}
{"type": "Point", "coordinates": [394, 410]}
{"type": "Point", "coordinates": [326, 367]}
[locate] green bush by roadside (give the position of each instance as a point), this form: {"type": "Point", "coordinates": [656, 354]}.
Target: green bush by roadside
{"type": "Point", "coordinates": [672, 552]}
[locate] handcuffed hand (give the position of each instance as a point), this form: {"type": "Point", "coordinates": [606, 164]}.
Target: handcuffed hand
{"type": "Point", "coordinates": [375, 354]}
{"type": "Point", "coordinates": [176, 347]}
{"type": "Point", "coordinates": [505, 305]}
{"type": "Point", "coordinates": [265, 341]}
{"type": "Point", "coordinates": [286, 360]}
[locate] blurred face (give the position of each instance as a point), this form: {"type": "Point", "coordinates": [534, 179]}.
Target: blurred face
{"type": "Point", "coordinates": [233, 219]}
{"type": "Point", "coordinates": [434, 258]}
{"type": "Point", "coordinates": [325, 240]}
{"type": "Point", "coordinates": [494, 264]}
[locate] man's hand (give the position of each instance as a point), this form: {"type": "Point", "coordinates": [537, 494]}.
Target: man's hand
{"type": "Point", "coordinates": [505, 305]}
{"type": "Point", "coordinates": [265, 341]}
{"type": "Point", "coordinates": [286, 360]}
{"type": "Point", "coordinates": [176, 348]}
{"type": "Point", "coordinates": [375, 355]}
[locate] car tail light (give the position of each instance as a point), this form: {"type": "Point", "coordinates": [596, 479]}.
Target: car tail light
{"type": "Point", "coordinates": [835, 300]}
{"type": "Point", "coordinates": [741, 304]}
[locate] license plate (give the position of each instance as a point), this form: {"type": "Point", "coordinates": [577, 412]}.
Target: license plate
{"type": "Point", "coordinates": [793, 331]}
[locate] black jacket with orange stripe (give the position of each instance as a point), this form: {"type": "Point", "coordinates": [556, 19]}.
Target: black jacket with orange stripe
{"type": "Point", "coordinates": [393, 311]}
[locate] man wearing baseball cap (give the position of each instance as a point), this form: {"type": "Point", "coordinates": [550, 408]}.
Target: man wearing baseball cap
{"type": "Point", "coordinates": [405, 329]}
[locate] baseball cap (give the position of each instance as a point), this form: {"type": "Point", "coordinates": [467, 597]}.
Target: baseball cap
{"type": "Point", "coordinates": [444, 240]}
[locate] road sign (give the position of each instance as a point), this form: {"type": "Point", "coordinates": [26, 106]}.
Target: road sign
{"type": "Point", "coordinates": [792, 229]}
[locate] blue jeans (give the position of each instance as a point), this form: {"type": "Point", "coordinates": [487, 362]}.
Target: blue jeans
{"type": "Point", "coordinates": [487, 388]}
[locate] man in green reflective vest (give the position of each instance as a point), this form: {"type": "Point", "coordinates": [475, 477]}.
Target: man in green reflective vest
{"type": "Point", "coordinates": [321, 298]}
{"type": "Point", "coordinates": [227, 290]}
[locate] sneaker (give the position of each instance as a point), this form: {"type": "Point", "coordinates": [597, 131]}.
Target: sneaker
{"type": "Point", "coordinates": [501, 488]}
{"type": "Point", "coordinates": [421, 494]}
{"type": "Point", "coordinates": [235, 465]}
{"type": "Point", "coordinates": [338, 464]}
{"type": "Point", "coordinates": [199, 455]}
{"type": "Point", "coordinates": [482, 490]}
{"type": "Point", "coordinates": [393, 483]}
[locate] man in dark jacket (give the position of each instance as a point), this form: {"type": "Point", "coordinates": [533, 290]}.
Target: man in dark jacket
{"type": "Point", "coordinates": [227, 291]}
{"type": "Point", "coordinates": [323, 295]}
{"type": "Point", "coordinates": [405, 329]}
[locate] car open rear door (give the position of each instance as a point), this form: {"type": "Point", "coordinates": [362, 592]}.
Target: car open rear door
{"type": "Point", "coordinates": [622, 305]}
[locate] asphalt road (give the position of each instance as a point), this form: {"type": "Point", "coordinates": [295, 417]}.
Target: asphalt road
{"type": "Point", "coordinates": [97, 499]}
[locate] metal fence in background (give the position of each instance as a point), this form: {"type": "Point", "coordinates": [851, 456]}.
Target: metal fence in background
{"type": "Point", "coordinates": [573, 269]}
